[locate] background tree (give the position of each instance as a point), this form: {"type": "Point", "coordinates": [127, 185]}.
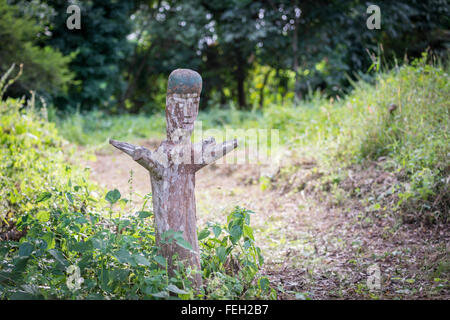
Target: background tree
{"type": "Point", "coordinates": [101, 48]}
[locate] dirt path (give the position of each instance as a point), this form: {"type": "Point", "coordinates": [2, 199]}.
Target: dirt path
{"type": "Point", "coordinates": [312, 249]}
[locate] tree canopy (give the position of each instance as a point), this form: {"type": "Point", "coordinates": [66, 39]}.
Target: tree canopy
{"type": "Point", "coordinates": [245, 50]}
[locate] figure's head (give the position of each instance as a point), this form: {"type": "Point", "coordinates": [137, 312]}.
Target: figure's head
{"type": "Point", "coordinates": [183, 96]}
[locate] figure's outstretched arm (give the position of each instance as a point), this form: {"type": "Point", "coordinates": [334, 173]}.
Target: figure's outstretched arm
{"type": "Point", "coordinates": [141, 155]}
{"type": "Point", "coordinates": [210, 151]}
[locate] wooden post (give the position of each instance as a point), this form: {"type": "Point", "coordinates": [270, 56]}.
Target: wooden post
{"type": "Point", "coordinates": [173, 165]}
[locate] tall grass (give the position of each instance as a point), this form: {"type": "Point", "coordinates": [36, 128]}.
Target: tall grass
{"type": "Point", "coordinates": [404, 115]}
{"type": "Point", "coordinates": [95, 128]}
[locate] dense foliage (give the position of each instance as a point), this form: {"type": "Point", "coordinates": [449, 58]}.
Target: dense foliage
{"type": "Point", "coordinates": [248, 52]}
{"type": "Point", "coordinates": [278, 47]}
{"type": "Point", "coordinates": [100, 48]}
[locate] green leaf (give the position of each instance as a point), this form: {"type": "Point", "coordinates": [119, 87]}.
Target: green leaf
{"type": "Point", "coordinates": [81, 220]}
{"type": "Point", "coordinates": [104, 279]}
{"type": "Point", "coordinates": [49, 238]}
{"type": "Point", "coordinates": [162, 294]}
{"type": "Point", "coordinates": [69, 197]}
{"type": "Point", "coordinates": [5, 277]}
{"type": "Point", "coordinates": [25, 249]}
{"type": "Point", "coordinates": [217, 231]}
{"type": "Point", "coordinates": [167, 235]}
{"type": "Point", "coordinates": [119, 275]}
{"type": "Point", "coordinates": [86, 261]}
{"type": "Point", "coordinates": [144, 214]}
{"type": "Point", "coordinates": [175, 289]}
{"type": "Point", "coordinates": [99, 244]}
{"type": "Point", "coordinates": [123, 256]}
{"type": "Point", "coordinates": [20, 295]}
{"type": "Point", "coordinates": [260, 256]}
{"type": "Point", "coordinates": [184, 244]}
{"type": "Point", "coordinates": [203, 234]}
{"type": "Point", "coordinates": [161, 260]}
{"type": "Point", "coordinates": [81, 246]}
{"type": "Point", "coordinates": [112, 196]}
{"type": "Point", "coordinates": [248, 232]}
{"type": "Point", "coordinates": [235, 233]}
{"type": "Point", "coordinates": [263, 283]}
{"type": "Point", "coordinates": [20, 264]}
{"type": "Point", "coordinates": [124, 223]}
{"type": "Point", "coordinates": [27, 292]}
{"type": "Point", "coordinates": [43, 196]}
{"type": "Point", "coordinates": [178, 235]}
{"type": "Point", "coordinates": [140, 259]}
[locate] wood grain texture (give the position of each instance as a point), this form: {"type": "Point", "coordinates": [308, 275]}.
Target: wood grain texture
{"type": "Point", "coordinates": [172, 168]}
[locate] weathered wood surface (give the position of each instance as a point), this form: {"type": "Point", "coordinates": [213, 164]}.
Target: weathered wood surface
{"type": "Point", "coordinates": [173, 165]}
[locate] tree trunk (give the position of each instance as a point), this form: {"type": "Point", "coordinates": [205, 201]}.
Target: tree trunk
{"type": "Point", "coordinates": [261, 91]}
{"type": "Point", "coordinates": [134, 73]}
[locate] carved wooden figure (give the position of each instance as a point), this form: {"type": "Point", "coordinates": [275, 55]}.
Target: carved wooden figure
{"type": "Point", "coordinates": [173, 165]}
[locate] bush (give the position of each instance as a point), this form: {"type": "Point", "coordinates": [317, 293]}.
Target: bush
{"type": "Point", "coordinates": [230, 259]}
{"type": "Point", "coordinates": [406, 119]}
{"type": "Point", "coordinates": [32, 161]}
{"type": "Point", "coordinates": [71, 252]}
